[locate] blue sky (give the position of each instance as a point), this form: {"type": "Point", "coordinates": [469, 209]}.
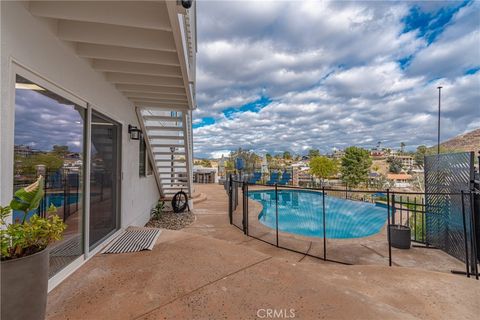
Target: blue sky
{"type": "Point", "coordinates": [295, 75]}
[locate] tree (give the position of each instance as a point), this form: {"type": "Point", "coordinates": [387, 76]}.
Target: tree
{"type": "Point", "coordinates": [27, 165]}
{"type": "Point", "coordinates": [60, 150]}
{"type": "Point", "coordinates": [402, 146]}
{"type": "Point", "coordinates": [355, 166]}
{"type": "Point", "coordinates": [313, 153]}
{"type": "Point", "coordinates": [204, 163]}
{"type": "Point", "coordinates": [251, 160]}
{"type": "Point", "coordinates": [420, 154]}
{"type": "Point", "coordinates": [287, 155]}
{"type": "Point", "coordinates": [395, 165]}
{"type": "Point", "coordinates": [323, 167]}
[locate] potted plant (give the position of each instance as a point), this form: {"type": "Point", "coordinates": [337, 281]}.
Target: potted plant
{"type": "Point", "coordinates": [400, 236]}
{"type": "Point", "coordinates": [24, 255]}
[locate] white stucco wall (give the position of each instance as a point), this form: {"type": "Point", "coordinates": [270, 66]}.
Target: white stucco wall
{"type": "Point", "coordinates": [32, 44]}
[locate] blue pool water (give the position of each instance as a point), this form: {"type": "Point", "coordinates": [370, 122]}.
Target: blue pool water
{"type": "Point", "coordinates": [300, 212]}
{"type": "Point", "coordinates": [57, 200]}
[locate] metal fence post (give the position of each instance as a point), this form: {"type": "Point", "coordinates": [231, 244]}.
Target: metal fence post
{"type": "Point", "coordinates": [415, 217]}
{"type": "Point", "coordinates": [474, 261]}
{"type": "Point", "coordinates": [388, 229]}
{"type": "Point", "coordinates": [424, 221]}
{"type": "Point", "coordinates": [465, 235]}
{"type": "Point", "coordinates": [276, 211]}
{"type": "Point", "coordinates": [244, 208]}
{"type": "Point", "coordinates": [247, 211]}
{"type": "Point", "coordinates": [393, 208]}
{"type": "Point", "coordinates": [230, 200]}
{"type": "Point", "coordinates": [324, 228]}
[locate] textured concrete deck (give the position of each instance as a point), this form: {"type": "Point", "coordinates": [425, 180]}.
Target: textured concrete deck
{"type": "Point", "coordinates": [212, 271]}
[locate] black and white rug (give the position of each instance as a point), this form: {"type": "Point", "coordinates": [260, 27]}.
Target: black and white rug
{"type": "Point", "coordinates": [134, 240]}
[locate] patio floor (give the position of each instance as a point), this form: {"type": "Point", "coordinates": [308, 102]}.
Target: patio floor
{"type": "Point", "coordinates": [210, 270]}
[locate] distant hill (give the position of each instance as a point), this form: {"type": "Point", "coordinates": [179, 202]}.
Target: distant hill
{"type": "Point", "coordinates": [469, 141]}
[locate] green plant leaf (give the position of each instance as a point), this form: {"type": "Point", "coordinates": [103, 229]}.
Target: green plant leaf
{"type": "Point", "coordinates": [28, 198]}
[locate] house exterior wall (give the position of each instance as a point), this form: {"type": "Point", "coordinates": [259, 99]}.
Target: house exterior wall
{"type": "Point", "coordinates": [32, 44]}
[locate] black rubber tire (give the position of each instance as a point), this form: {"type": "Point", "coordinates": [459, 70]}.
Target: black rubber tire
{"type": "Point", "coordinates": [179, 202]}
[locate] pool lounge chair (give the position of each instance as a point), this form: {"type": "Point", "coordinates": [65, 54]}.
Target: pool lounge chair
{"type": "Point", "coordinates": [255, 178]}
{"type": "Point", "coordinates": [273, 178]}
{"type": "Point", "coordinates": [286, 177]}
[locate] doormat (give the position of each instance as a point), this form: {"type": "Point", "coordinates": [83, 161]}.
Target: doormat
{"type": "Point", "coordinates": [134, 240]}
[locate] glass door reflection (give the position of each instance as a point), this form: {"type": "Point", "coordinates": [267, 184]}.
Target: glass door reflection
{"type": "Point", "coordinates": [104, 178]}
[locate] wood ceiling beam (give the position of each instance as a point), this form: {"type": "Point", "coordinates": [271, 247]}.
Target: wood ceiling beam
{"type": "Point", "coordinates": [98, 51]}
{"type": "Point", "coordinates": [125, 78]}
{"type": "Point", "coordinates": [136, 68]}
{"type": "Point", "coordinates": [150, 15]}
{"type": "Point", "coordinates": [125, 87]}
{"type": "Point", "coordinates": [99, 33]}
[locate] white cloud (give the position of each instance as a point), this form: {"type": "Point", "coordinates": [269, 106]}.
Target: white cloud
{"type": "Point", "coordinates": [331, 70]}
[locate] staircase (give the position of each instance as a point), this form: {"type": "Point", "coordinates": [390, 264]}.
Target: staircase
{"type": "Point", "coordinates": [168, 137]}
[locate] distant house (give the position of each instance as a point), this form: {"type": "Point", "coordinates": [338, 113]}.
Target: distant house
{"type": "Point", "coordinates": [204, 175]}
{"type": "Point", "coordinates": [338, 154]}
{"type": "Point", "coordinates": [407, 161]}
{"type": "Point", "coordinates": [300, 174]}
{"type": "Point", "coordinates": [400, 180]}
{"type": "Point", "coordinates": [377, 154]}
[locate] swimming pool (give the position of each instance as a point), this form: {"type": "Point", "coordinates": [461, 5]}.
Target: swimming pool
{"type": "Point", "coordinates": [57, 199]}
{"type": "Point", "coordinates": [300, 212]}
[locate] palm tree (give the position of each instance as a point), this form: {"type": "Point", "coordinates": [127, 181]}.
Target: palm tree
{"type": "Point", "coordinates": [402, 146]}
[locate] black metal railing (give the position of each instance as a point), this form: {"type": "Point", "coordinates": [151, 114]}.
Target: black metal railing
{"type": "Point", "coordinates": [403, 210]}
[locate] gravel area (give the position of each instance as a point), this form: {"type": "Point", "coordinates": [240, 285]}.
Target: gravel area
{"type": "Point", "coordinates": [171, 220]}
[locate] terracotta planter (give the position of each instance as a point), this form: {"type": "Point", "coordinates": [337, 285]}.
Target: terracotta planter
{"type": "Point", "coordinates": [400, 236]}
{"type": "Point", "coordinates": [25, 287]}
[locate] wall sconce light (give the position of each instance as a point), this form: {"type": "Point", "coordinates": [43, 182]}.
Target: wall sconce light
{"type": "Point", "coordinates": [134, 132]}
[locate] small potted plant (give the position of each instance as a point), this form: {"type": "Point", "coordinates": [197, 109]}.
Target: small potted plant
{"type": "Point", "coordinates": [24, 255]}
{"type": "Point", "coordinates": [400, 236]}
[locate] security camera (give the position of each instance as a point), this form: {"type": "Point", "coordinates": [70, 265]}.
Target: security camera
{"type": "Point", "coordinates": [187, 4]}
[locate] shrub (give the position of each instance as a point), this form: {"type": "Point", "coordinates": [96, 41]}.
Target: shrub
{"type": "Point", "coordinates": [18, 240]}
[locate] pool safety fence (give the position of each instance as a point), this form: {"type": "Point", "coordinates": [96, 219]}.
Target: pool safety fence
{"type": "Point", "coordinates": [337, 226]}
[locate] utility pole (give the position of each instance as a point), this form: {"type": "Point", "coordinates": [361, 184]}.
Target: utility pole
{"type": "Point", "coordinates": [439, 101]}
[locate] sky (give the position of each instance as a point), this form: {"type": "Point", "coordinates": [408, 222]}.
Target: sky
{"type": "Point", "coordinates": [52, 123]}
{"type": "Point", "coordinates": [276, 76]}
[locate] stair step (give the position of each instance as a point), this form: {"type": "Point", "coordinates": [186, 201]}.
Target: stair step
{"type": "Point", "coordinates": [170, 160]}
{"type": "Point", "coordinates": [162, 118]}
{"type": "Point", "coordinates": [164, 128]}
{"type": "Point", "coordinates": [170, 167]}
{"type": "Point", "coordinates": [169, 153]}
{"type": "Point", "coordinates": [159, 136]}
{"type": "Point", "coordinates": [164, 145]}
{"type": "Point", "coordinates": [175, 183]}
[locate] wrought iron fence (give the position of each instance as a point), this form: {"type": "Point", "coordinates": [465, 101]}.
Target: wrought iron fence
{"type": "Point", "coordinates": [318, 230]}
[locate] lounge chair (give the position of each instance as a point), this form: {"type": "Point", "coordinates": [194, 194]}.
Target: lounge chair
{"type": "Point", "coordinates": [286, 177]}
{"type": "Point", "coordinates": [273, 178]}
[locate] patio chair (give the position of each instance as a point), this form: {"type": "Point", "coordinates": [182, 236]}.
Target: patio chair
{"type": "Point", "coordinates": [286, 177]}
{"type": "Point", "coordinates": [273, 178]}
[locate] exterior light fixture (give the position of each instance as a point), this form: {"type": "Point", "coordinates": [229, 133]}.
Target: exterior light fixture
{"type": "Point", "coordinates": [134, 132]}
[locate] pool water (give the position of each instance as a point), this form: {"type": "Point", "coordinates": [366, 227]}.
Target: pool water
{"type": "Point", "coordinates": [57, 199]}
{"type": "Point", "coordinates": [300, 212]}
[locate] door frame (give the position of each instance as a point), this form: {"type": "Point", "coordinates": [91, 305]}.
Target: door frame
{"type": "Point", "coordinates": [92, 249]}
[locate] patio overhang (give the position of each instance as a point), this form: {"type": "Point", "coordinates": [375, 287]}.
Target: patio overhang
{"type": "Point", "coordinates": [144, 48]}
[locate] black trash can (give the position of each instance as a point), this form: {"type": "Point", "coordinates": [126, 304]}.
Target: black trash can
{"type": "Point", "coordinates": [400, 236]}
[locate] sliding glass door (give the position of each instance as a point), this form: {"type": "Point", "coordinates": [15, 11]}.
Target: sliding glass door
{"type": "Point", "coordinates": [104, 178]}
{"type": "Point", "coordinates": [49, 141]}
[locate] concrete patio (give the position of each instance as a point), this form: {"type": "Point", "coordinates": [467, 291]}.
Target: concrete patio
{"type": "Point", "coordinates": [210, 270]}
